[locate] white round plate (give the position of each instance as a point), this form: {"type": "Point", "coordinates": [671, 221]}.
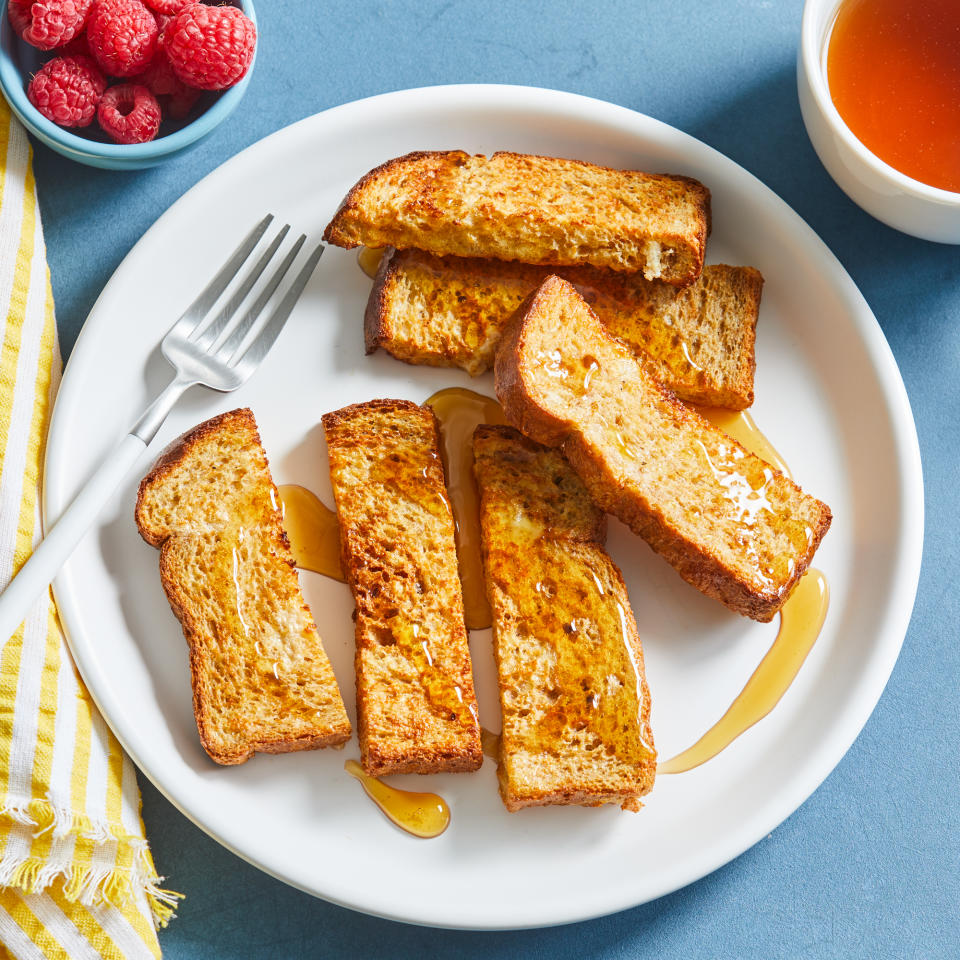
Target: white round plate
{"type": "Point", "coordinates": [829, 396]}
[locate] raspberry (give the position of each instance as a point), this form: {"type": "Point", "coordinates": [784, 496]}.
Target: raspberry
{"type": "Point", "coordinates": [129, 113]}
{"type": "Point", "coordinates": [76, 47]}
{"type": "Point", "coordinates": [122, 35]}
{"type": "Point", "coordinates": [162, 21]}
{"type": "Point", "coordinates": [159, 77]}
{"type": "Point", "coordinates": [167, 7]}
{"type": "Point", "coordinates": [161, 81]}
{"type": "Point", "coordinates": [210, 47]}
{"type": "Point", "coordinates": [67, 90]}
{"type": "Point", "coordinates": [20, 15]}
{"type": "Point", "coordinates": [48, 23]}
{"type": "Point", "coordinates": [180, 104]}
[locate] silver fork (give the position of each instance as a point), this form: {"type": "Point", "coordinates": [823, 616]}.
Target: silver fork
{"type": "Point", "coordinates": [217, 350]}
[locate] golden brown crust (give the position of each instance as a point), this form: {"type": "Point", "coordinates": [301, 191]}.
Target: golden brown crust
{"type": "Point", "coordinates": [375, 329]}
{"type": "Point", "coordinates": [732, 526]}
{"type": "Point", "coordinates": [190, 523]}
{"type": "Point", "coordinates": [416, 708]}
{"type": "Point", "coordinates": [175, 452]}
{"type": "Point", "coordinates": [524, 207]}
{"type": "Point", "coordinates": [574, 697]}
{"type": "Point", "coordinates": [520, 408]}
{"type": "Point", "coordinates": [450, 312]}
{"type": "Point", "coordinates": [334, 232]}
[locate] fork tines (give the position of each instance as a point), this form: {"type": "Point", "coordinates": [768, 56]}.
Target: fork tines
{"type": "Point", "coordinates": [230, 334]}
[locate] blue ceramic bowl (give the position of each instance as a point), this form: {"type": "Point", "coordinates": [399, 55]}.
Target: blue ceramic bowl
{"type": "Point", "coordinates": [19, 61]}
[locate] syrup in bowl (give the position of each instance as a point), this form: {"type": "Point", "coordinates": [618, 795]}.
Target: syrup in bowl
{"type": "Point", "coordinates": [893, 70]}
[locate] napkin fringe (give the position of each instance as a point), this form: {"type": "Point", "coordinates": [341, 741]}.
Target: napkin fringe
{"type": "Point", "coordinates": [90, 885]}
{"type": "Point", "coordinates": [44, 816]}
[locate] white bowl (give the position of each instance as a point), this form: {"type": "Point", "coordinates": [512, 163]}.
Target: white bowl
{"type": "Point", "coordinates": [887, 194]}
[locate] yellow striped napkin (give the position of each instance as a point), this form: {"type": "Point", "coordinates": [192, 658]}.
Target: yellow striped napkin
{"type": "Point", "coordinates": [76, 875]}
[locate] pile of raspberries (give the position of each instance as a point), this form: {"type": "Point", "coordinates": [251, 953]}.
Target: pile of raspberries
{"type": "Point", "coordinates": [164, 52]}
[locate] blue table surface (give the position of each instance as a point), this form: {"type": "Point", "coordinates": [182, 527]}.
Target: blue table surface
{"type": "Point", "coordinates": [869, 866]}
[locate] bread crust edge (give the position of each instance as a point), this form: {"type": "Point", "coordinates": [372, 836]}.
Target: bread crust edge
{"type": "Point", "coordinates": [169, 458]}
{"type": "Point", "coordinates": [692, 561]}
{"type": "Point", "coordinates": [376, 758]}
{"type": "Point", "coordinates": [340, 233]}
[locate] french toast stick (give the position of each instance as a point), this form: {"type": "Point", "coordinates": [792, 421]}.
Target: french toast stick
{"type": "Point", "coordinates": [416, 709]}
{"type": "Point", "coordinates": [698, 341]}
{"type": "Point", "coordinates": [574, 699]}
{"type": "Point", "coordinates": [730, 524]}
{"type": "Point", "coordinates": [261, 678]}
{"type": "Point", "coordinates": [544, 210]}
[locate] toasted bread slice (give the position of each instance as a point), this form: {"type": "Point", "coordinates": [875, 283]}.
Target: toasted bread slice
{"type": "Point", "coordinates": [416, 709]}
{"type": "Point", "coordinates": [545, 210]}
{"type": "Point", "coordinates": [261, 678]}
{"type": "Point", "coordinates": [730, 524]}
{"type": "Point", "coordinates": [575, 703]}
{"type": "Point", "coordinates": [698, 341]}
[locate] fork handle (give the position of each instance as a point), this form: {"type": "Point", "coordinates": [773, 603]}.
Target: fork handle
{"type": "Point", "coordinates": [36, 574]}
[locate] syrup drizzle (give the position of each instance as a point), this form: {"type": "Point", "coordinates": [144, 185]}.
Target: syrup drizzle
{"type": "Point", "coordinates": [743, 428]}
{"type": "Point", "coordinates": [369, 259]}
{"type": "Point", "coordinates": [460, 411]}
{"type": "Point", "coordinates": [597, 691]}
{"type": "Point", "coordinates": [801, 618]}
{"type": "Point", "coordinates": [423, 815]}
{"type": "Point", "coordinates": [434, 682]}
{"type": "Point", "coordinates": [313, 531]}
{"type": "Point", "coordinates": [744, 486]}
{"type": "Point", "coordinates": [314, 536]}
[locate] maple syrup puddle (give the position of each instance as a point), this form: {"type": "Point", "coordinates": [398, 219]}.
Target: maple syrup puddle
{"type": "Point", "coordinates": [460, 412]}
{"type": "Point", "coordinates": [369, 259]}
{"type": "Point", "coordinates": [801, 618]}
{"type": "Point", "coordinates": [491, 743]}
{"type": "Point", "coordinates": [424, 815]}
{"type": "Point", "coordinates": [742, 427]}
{"type": "Point", "coordinates": [313, 531]}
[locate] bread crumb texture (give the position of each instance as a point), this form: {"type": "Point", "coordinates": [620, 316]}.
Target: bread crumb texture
{"type": "Point", "coordinates": [261, 679]}
{"type": "Point", "coordinates": [698, 340]}
{"type": "Point", "coordinates": [416, 708]}
{"type": "Point", "coordinates": [732, 525]}
{"type": "Point", "coordinates": [574, 698]}
{"type": "Point", "coordinates": [534, 209]}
